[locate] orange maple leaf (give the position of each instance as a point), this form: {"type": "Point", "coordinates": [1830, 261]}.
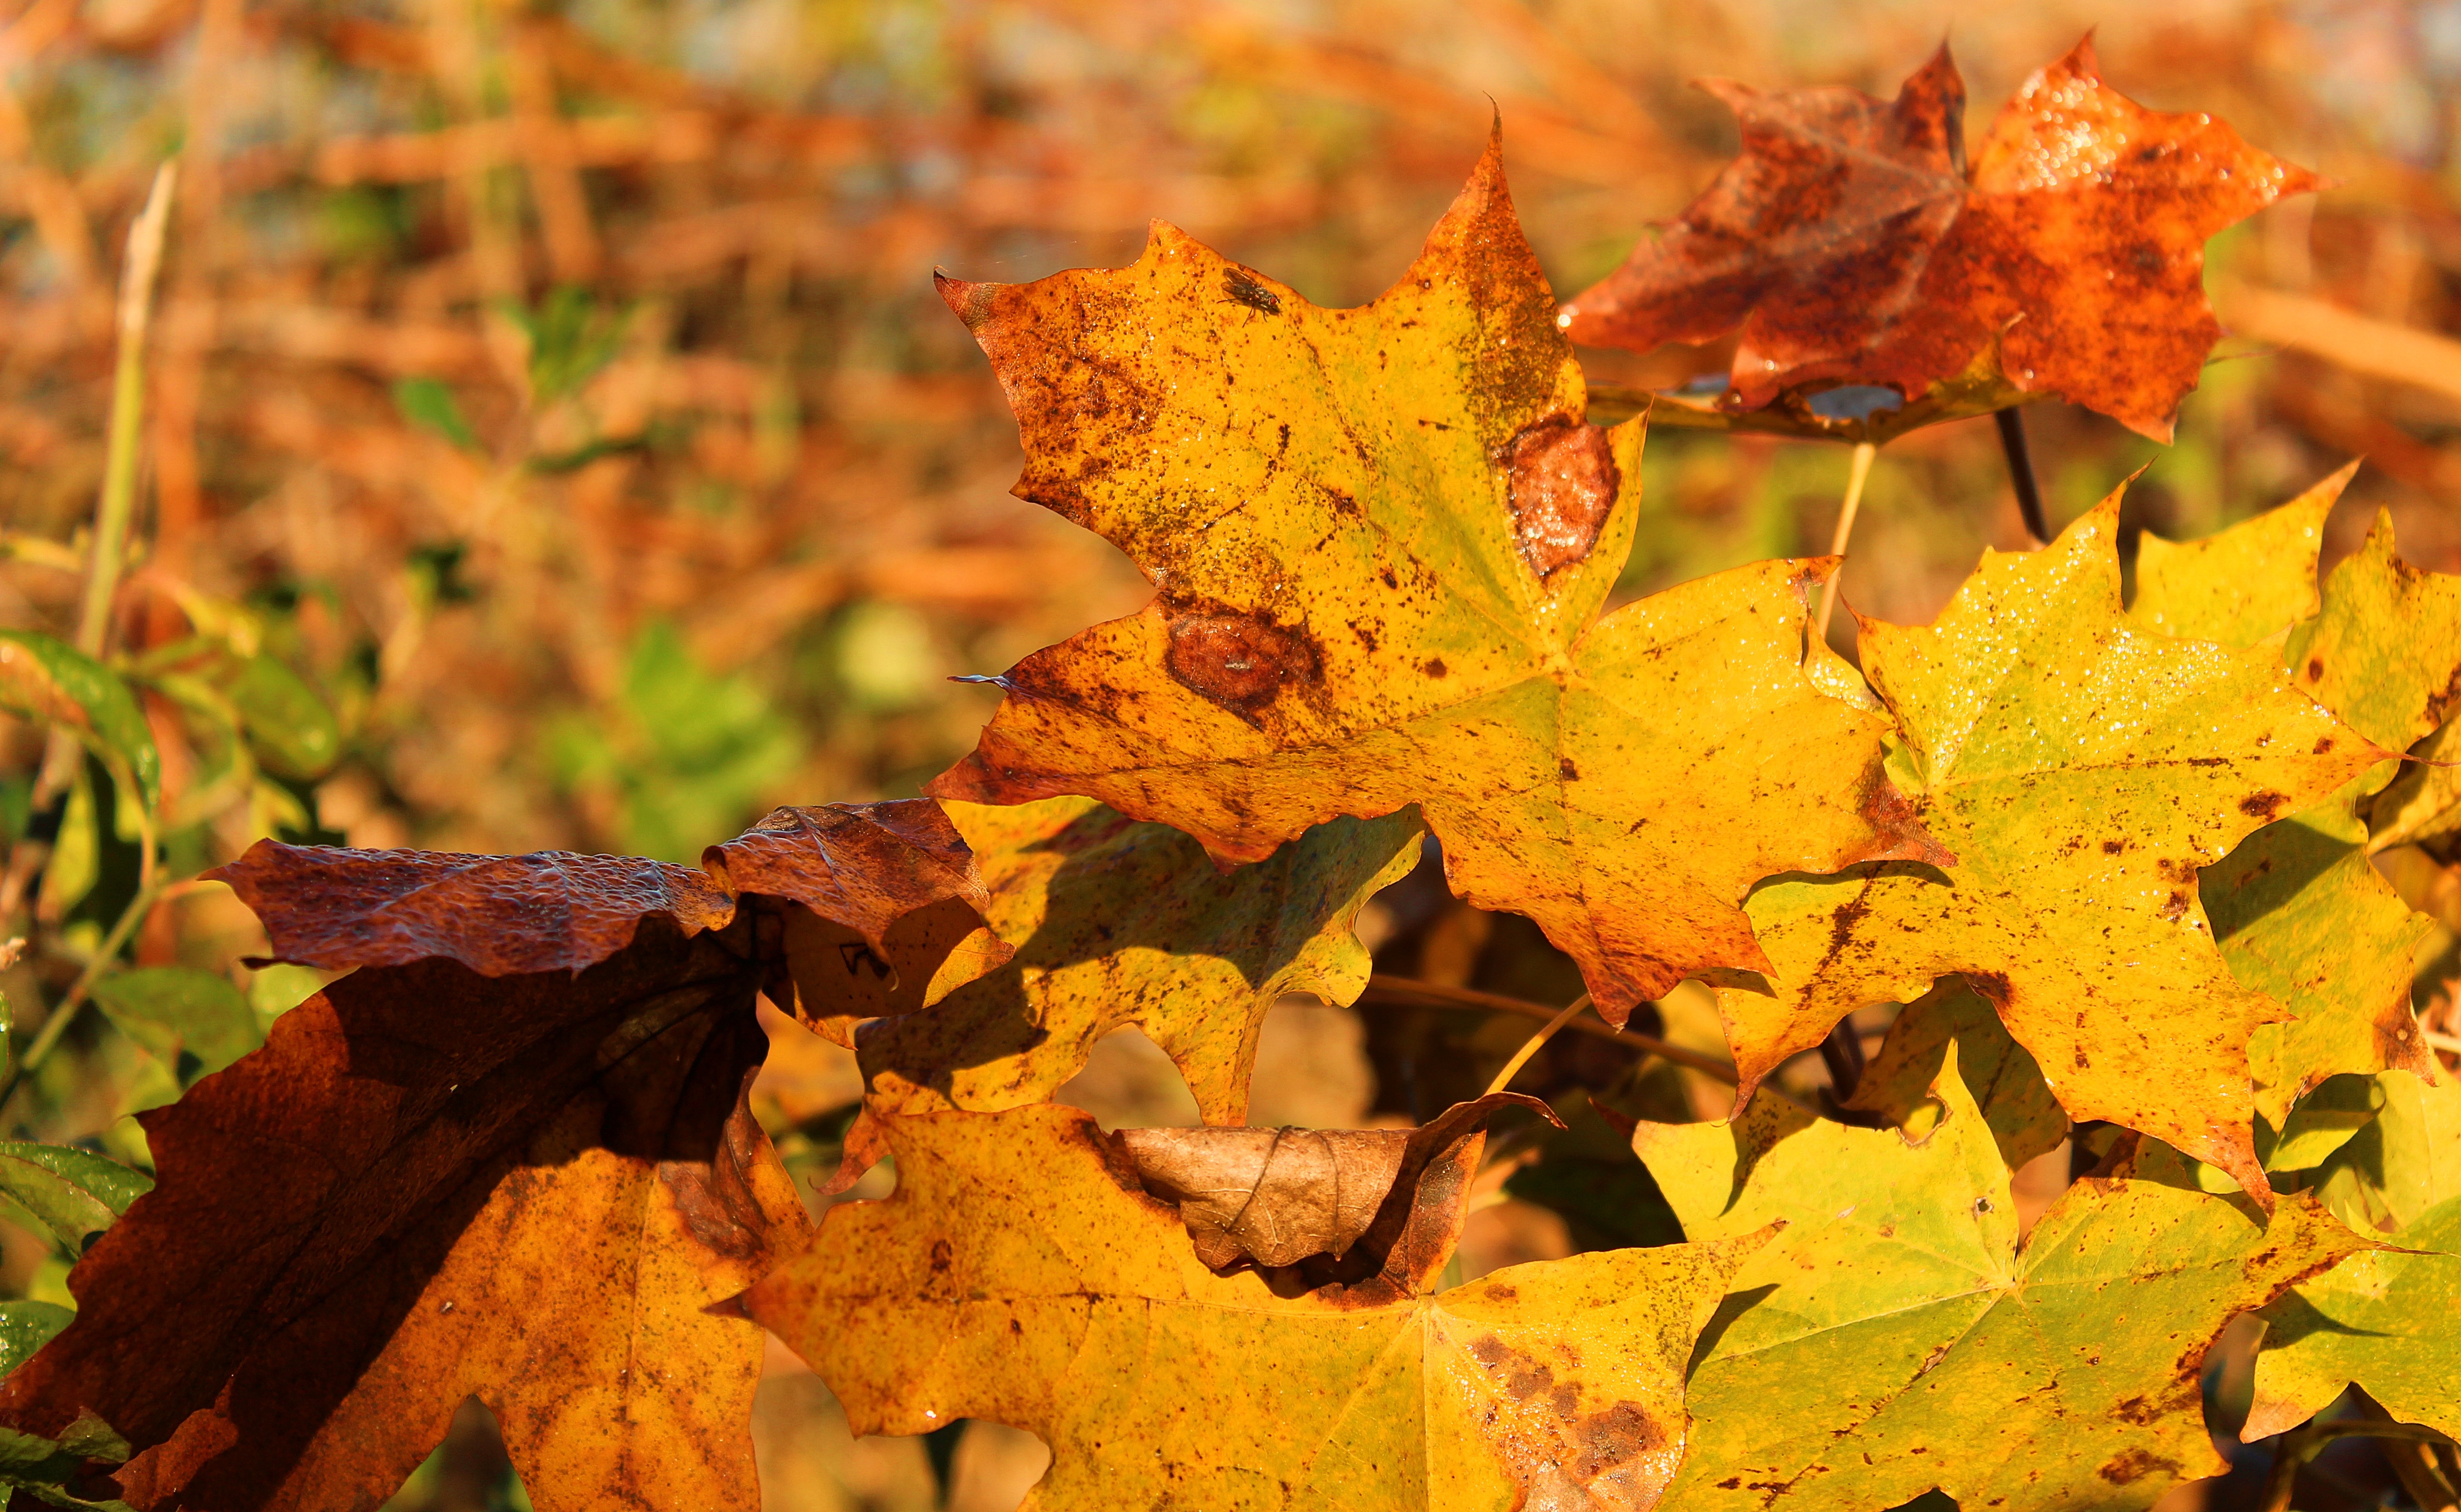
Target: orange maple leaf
{"type": "Point", "coordinates": [1852, 245]}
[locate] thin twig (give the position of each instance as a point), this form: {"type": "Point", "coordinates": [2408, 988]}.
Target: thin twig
{"type": "Point", "coordinates": [2451, 1043]}
{"type": "Point", "coordinates": [2020, 471]}
{"type": "Point", "coordinates": [1858, 472]}
{"type": "Point", "coordinates": [1408, 993]}
{"type": "Point", "coordinates": [1535, 1042]}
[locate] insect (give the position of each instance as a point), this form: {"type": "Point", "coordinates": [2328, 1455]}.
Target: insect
{"type": "Point", "coordinates": [1244, 289]}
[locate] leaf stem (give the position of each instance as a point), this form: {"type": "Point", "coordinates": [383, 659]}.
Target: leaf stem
{"type": "Point", "coordinates": [117, 502]}
{"type": "Point", "coordinates": [1531, 1046]}
{"type": "Point", "coordinates": [113, 507]}
{"type": "Point", "coordinates": [2020, 471]}
{"type": "Point", "coordinates": [1860, 470]}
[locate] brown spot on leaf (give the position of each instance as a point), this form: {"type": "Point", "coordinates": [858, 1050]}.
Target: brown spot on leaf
{"type": "Point", "coordinates": [2323, 746]}
{"type": "Point", "coordinates": [2112, 847]}
{"type": "Point", "coordinates": [1563, 482]}
{"type": "Point", "coordinates": [1239, 660]}
{"type": "Point", "coordinates": [2264, 805]}
{"type": "Point", "coordinates": [2134, 1465]}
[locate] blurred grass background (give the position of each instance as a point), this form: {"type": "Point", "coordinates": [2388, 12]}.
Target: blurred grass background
{"type": "Point", "coordinates": [559, 389]}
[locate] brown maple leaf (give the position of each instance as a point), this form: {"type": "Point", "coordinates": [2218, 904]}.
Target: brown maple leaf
{"type": "Point", "coordinates": [1852, 245]}
{"type": "Point", "coordinates": [509, 1154]}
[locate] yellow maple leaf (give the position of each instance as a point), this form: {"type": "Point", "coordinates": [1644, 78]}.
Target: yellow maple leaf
{"type": "Point", "coordinates": [1021, 1273]}
{"type": "Point", "coordinates": [1380, 539]}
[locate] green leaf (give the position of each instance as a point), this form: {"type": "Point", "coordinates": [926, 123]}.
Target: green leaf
{"type": "Point", "coordinates": [1897, 1338]}
{"type": "Point", "coordinates": [2025, 1119]}
{"type": "Point", "coordinates": [195, 1021]}
{"type": "Point", "coordinates": [428, 404]}
{"type": "Point", "coordinates": [72, 1193]}
{"type": "Point", "coordinates": [2324, 1120]}
{"type": "Point", "coordinates": [43, 1468]}
{"type": "Point", "coordinates": [76, 850]}
{"type": "Point", "coordinates": [53, 683]}
{"type": "Point", "coordinates": [570, 339]}
{"type": "Point", "coordinates": [2403, 1162]}
{"type": "Point", "coordinates": [2380, 1321]}
{"type": "Point", "coordinates": [291, 729]}
{"type": "Point", "coordinates": [2383, 1322]}
{"type": "Point", "coordinates": [27, 1326]}
{"type": "Point", "coordinates": [2301, 916]}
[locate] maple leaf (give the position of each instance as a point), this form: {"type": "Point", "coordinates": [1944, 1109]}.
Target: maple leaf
{"type": "Point", "coordinates": [1022, 1273]}
{"type": "Point", "coordinates": [2383, 1320]}
{"type": "Point", "coordinates": [1998, 1073]}
{"type": "Point", "coordinates": [509, 1154]}
{"type": "Point", "coordinates": [2384, 652]}
{"type": "Point", "coordinates": [1900, 1338]}
{"type": "Point", "coordinates": [2387, 648]}
{"type": "Point", "coordinates": [1118, 922]}
{"type": "Point", "coordinates": [2082, 769]}
{"type": "Point", "coordinates": [2297, 910]}
{"type": "Point", "coordinates": [1380, 539]}
{"type": "Point", "coordinates": [1852, 245]}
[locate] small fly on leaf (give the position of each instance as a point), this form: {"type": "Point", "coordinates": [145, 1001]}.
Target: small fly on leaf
{"type": "Point", "coordinates": [1244, 289]}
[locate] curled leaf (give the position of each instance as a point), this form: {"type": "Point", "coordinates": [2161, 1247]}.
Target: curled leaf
{"type": "Point", "coordinates": [1277, 1196]}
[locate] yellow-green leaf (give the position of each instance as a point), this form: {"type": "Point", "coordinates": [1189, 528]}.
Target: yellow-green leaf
{"type": "Point", "coordinates": [2383, 1321]}
{"type": "Point", "coordinates": [194, 1022]}
{"type": "Point", "coordinates": [2302, 917]}
{"type": "Point", "coordinates": [2423, 802]}
{"type": "Point", "coordinates": [2082, 769]}
{"type": "Point", "coordinates": [1897, 1337]}
{"type": "Point", "coordinates": [2299, 914]}
{"type": "Point", "coordinates": [1380, 539]}
{"type": "Point", "coordinates": [1118, 923]}
{"type": "Point", "coordinates": [2243, 584]}
{"type": "Point", "coordinates": [2385, 651]}
{"type": "Point", "coordinates": [1019, 1273]}
{"type": "Point", "coordinates": [54, 683]}
{"type": "Point", "coordinates": [1953, 1019]}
